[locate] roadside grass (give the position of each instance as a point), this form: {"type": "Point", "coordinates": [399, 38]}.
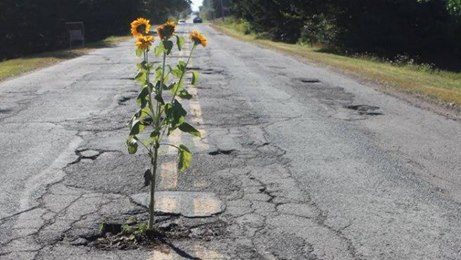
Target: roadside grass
{"type": "Point", "coordinates": [417, 80]}
{"type": "Point", "coordinates": [15, 67]}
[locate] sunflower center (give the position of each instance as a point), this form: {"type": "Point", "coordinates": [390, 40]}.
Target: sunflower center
{"type": "Point", "coordinates": [141, 28]}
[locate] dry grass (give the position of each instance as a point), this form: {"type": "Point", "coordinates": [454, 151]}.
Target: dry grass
{"type": "Point", "coordinates": [418, 80]}
{"type": "Point", "coordinates": [18, 66]}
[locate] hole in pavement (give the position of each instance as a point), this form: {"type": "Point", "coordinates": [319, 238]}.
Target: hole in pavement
{"type": "Point", "coordinates": [219, 151]}
{"type": "Point", "coordinates": [177, 57]}
{"type": "Point", "coordinates": [206, 71]}
{"type": "Point", "coordinates": [308, 80]}
{"type": "Point", "coordinates": [5, 110]}
{"type": "Point", "coordinates": [122, 100]}
{"type": "Point", "coordinates": [130, 236]}
{"type": "Point", "coordinates": [88, 154]}
{"type": "Point", "coordinates": [127, 78]}
{"type": "Point", "coordinates": [365, 109]}
{"type": "Point", "coordinates": [276, 67]}
{"type": "Point", "coordinates": [112, 228]}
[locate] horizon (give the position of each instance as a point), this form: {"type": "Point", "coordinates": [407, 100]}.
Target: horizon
{"type": "Point", "coordinates": [196, 4]}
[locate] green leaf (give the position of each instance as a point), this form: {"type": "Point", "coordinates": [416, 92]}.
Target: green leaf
{"type": "Point", "coordinates": [180, 41]}
{"type": "Point", "coordinates": [159, 99]}
{"type": "Point", "coordinates": [185, 158]}
{"type": "Point", "coordinates": [182, 65]}
{"type": "Point", "coordinates": [141, 77]}
{"type": "Point", "coordinates": [137, 127]}
{"type": "Point", "coordinates": [142, 97]}
{"type": "Point", "coordinates": [132, 145]}
{"type": "Point", "coordinates": [158, 73]}
{"type": "Point", "coordinates": [144, 66]}
{"type": "Point", "coordinates": [187, 128]}
{"type": "Point", "coordinates": [184, 94]}
{"type": "Point", "coordinates": [168, 46]}
{"type": "Point", "coordinates": [144, 115]}
{"type": "Point", "coordinates": [154, 137]}
{"type": "Point", "coordinates": [177, 88]}
{"type": "Point", "coordinates": [171, 86]}
{"type": "Point", "coordinates": [139, 52]}
{"type": "Point", "coordinates": [159, 49]}
{"type": "Point", "coordinates": [175, 115]}
{"type": "Point", "coordinates": [194, 77]}
{"type": "Point", "coordinates": [177, 72]}
{"type": "Point", "coordinates": [146, 121]}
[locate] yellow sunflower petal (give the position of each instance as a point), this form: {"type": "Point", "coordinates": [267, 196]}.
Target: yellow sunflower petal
{"type": "Point", "coordinates": [144, 41]}
{"type": "Point", "coordinates": [140, 26]}
{"type": "Point", "coordinates": [198, 38]}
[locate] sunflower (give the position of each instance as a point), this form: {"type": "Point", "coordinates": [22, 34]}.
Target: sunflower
{"type": "Point", "coordinates": [140, 27]}
{"type": "Point", "coordinates": [144, 41]}
{"type": "Point", "coordinates": [198, 38]}
{"type": "Point", "coordinates": [166, 30]}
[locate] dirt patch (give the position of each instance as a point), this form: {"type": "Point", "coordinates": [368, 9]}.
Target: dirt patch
{"type": "Point", "coordinates": [115, 236]}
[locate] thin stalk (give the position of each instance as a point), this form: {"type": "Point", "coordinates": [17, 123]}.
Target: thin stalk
{"type": "Point", "coordinates": [154, 156]}
{"type": "Point", "coordinates": [152, 188]}
{"type": "Point", "coordinates": [151, 107]}
{"type": "Point", "coordinates": [162, 82]}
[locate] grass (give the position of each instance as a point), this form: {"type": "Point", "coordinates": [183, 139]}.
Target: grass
{"type": "Point", "coordinates": [418, 80]}
{"type": "Point", "coordinates": [15, 67]}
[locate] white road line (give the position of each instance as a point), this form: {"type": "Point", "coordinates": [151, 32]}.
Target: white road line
{"type": "Point", "coordinates": [168, 175]}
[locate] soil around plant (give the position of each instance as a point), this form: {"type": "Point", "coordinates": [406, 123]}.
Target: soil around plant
{"type": "Point", "coordinates": [114, 236]}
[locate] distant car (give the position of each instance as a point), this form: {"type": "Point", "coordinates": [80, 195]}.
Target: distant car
{"type": "Point", "coordinates": [198, 20]}
{"type": "Point", "coordinates": [182, 22]}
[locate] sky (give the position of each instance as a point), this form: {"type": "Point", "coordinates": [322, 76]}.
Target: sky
{"type": "Point", "coordinates": [196, 4]}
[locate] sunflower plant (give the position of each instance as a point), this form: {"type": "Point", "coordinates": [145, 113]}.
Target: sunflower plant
{"type": "Point", "coordinates": [162, 87]}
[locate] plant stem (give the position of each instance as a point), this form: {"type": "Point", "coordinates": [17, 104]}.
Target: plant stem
{"type": "Point", "coordinates": [152, 187]}
{"type": "Point", "coordinates": [154, 156]}
{"type": "Point", "coordinates": [146, 59]}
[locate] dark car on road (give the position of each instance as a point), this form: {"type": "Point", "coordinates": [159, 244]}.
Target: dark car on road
{"type": "Point", "coordinates": [197, 20]}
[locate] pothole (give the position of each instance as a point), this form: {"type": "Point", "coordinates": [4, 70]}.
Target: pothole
{"type": "Point", "coordinates": [5, 110]}
{"type": "Point", "coordinates": [276, 67]}
{"type": "Point", "coordinates": [206, 71]}
{"type": "Point", "coordinates": [308, 80]}
{"type": "Point", "coordinates": [88, 154]}
{"type": "Point", "coordinates": [123, 99]}
{"type": "Point", "coordinates": [365, 109]}
{"type": "Point", "coordinates": [224, 152]}
{"type": "Point", "coordinates": [133, 234]}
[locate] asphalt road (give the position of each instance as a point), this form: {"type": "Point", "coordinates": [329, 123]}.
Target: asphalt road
{"type": "Point", "coordinates": [309, 163]}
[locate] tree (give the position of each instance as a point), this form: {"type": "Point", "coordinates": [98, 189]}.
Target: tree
{"type": "Point", "coordinates": [29, 26]}
{"type": "Point", "coordinates": [417, 28]}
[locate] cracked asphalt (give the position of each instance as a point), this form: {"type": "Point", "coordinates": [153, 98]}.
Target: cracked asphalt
{"type": "Point", "coordinates": [308, 163]}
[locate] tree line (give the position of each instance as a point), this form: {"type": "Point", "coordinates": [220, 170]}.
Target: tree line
{"type": "Point", "coordinates": [428, 30]}
{"type": "Point", "coordinates": [30, 26]}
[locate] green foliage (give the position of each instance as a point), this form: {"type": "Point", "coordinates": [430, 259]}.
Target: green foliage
{"type": "Point", "coordinates": [422, 29]}
{"type": "Point", "coordinates": [454, 6]}
{"type": "Point", "coordinates": [194, 77]}
{"type": "Point", "coordinates": [185, 158]}
{"type": "Point", "coordinates": [30, 26]}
